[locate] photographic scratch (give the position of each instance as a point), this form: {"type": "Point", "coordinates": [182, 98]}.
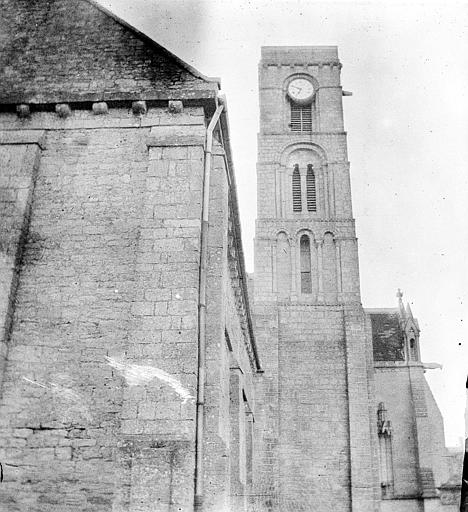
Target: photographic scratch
{"type": "Point", "coordinates": [34, 382]}
{"type": "Point", "coordinates": [137, 375]}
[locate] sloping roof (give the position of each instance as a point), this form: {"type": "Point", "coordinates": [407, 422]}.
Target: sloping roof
{"type": "Point", "coordinates": [387, 335]}
{"type": "Point", "coordinates": [76, 50]}
{"type": "Point", "coordinates": [151, 41]}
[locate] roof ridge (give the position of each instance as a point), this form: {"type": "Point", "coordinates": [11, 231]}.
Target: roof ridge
{"type": "Point", "coordinates": [381, 310]}
{"type": "Point", "coordinates": [147, 38]}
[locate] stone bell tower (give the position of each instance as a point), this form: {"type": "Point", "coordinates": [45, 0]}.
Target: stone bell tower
{"type": "Point", "coordinates": [315, 415]}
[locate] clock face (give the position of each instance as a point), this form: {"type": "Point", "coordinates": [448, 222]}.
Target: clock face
{"type": "Point", "coordinates": [301, 90]}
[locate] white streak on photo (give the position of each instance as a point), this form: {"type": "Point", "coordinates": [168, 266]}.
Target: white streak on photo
{"type": "Point", "coordinates": [137, 375]}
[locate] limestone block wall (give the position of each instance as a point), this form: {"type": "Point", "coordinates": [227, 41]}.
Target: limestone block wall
{"type": "Point", "coordinates": [101, 257]}
{"type": "Point", "coordinates": [439, 462]}
{"type": "Point", "coordinates": [19, 155]}
{"type": "Point", "coordinates": [314, 464]}
{"type": "Point", "coordinates": [266, 480]}
{"type": "Point", "coordinates": [393, 389]}
{"type": "Point", "coordinates": [229, 400]}
{"type": "Point", "coordinates": [97, 407]}
{"type": "Point", "coordinates": [418, 444]}
{"type": "Point", "coordinates": [316, 443]}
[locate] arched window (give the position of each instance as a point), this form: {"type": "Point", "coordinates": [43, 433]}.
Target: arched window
{"type": "Point", "coordinates": [306, 278]}
{"type": "Point", "coordinates": [296, 189]}
{"type": "Point", "coordinates": [413, 350]}
{"type": "Point", "coordinates": [311, 192]}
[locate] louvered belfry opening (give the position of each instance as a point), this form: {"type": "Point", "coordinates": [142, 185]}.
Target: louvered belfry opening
{"type": "Point", "coordinates": [301, 118]}
{"type": "Point", "coordinates": [296, 189]}
{"type": "Point", "coordinates": [311, 190]}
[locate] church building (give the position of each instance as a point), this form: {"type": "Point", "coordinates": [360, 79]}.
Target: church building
{"type": "Point", "coordinates": [141, 368]}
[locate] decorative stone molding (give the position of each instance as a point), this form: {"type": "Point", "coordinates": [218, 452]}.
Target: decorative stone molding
{"type": "Point", "coordinates": [23, 111]}
{"type": "Point", "coordinates": [450, 493]}
{"type": "Point", "coordinates": [139, 108]}
{"type": "Point", "coordinates": [285, 151]}
{"type": "Point", "coordinates": [237, 285]}
{"type": "Point", "coordinates": [384, 426]}
{"type": "Point", "coordinates": [319, 64]}
{"type": "Point", "coordinates": [175, 106]}
{"type": "Point", "coordinates": [63, 110]}
{"type": "Point", "coordinates": [100, 108]}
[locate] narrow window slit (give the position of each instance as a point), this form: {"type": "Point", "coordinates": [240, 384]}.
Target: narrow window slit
{"type": "Point", "coordinates": [306, 277]}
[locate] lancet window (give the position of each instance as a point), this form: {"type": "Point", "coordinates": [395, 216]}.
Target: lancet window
{"type": "Point", "coordinates": [296, 189]}
{"type": "Point", "coordinates": [311, 190]}
{"type": "Point", "coordinates": [306, 276]}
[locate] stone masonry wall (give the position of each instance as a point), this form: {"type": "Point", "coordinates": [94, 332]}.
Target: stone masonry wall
{"type": "Point", "coordinates": [266, 481]}
{"type": "Point", "coordinates": [229, 409]}
{"type": "Point", "coordinates": [393, 389]}
{"type": "Point", "coordinates": [106, 304]}
{"type": "Point", "coordinates": [313, 417]}
{"type": "Point", "coordinates": [19, 156]}
{"type": "Point", "coordinates": [418, 443]}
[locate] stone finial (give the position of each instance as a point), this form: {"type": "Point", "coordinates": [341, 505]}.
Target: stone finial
{"type": "Point", "coordinates": [100, 108]}
{"type": "Point", "coordinates": [23, 111]}
{"type": "Point", "coordinates": [222, 101]}
{"type": "Point", "coordinates": [175, 106]}
{"type": "Point", "coordinates": [399, 295]}
{"type": "Point", "coordinates": [63, 109]}
{"type": "Point", "coordinates": [139, 108]}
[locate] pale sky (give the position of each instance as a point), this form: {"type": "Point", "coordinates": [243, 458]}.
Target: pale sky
{"type": "Point", "coordinates": [407, 124]}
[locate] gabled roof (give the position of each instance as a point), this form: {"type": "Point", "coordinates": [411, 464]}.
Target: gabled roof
{"type": "Point", "coordinates": [387, 335]}
{"type": "Point", "coordinates": [151, 41]}
{"type": "Point", "coordinates": [78, 51]}
{"type": "Point", "coordinates": [389, 328]}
